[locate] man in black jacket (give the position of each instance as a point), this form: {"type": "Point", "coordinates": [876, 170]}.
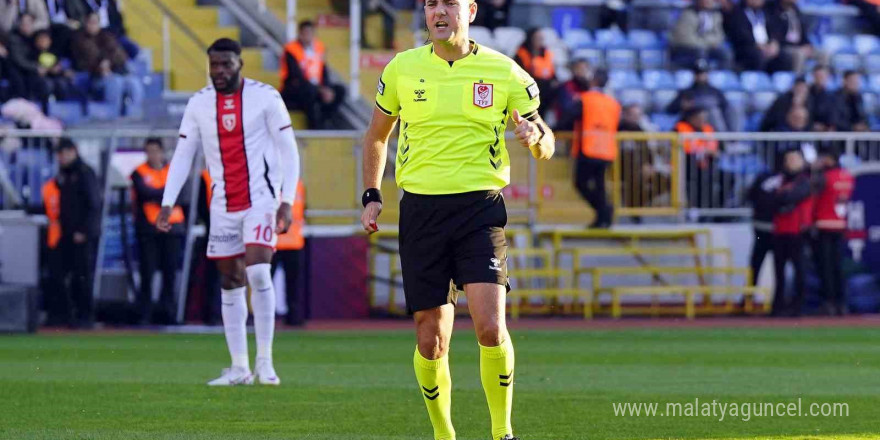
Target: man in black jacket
{"type": "Point", "coordinates": [80, 228]}
{"type": "Point", "coordinates": [821, 100]}
{"type": "Point", "coordinates": [749, 32]}
{"type": "Point", "coordinates": [849, 109]}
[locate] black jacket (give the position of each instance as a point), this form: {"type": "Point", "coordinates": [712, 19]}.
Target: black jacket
{"type": "Point", "coordinates": [848, 110]}
{"type": "Point", "coordinates": [492, 17]}
{"type": "Point", "coordinates": [822, 104]}
{"type": "Point", "coordinates": [779, 21]}
{"type": "Point", "coordinates": [739, 32]}
{"type": "Point", "coordinates": [80, 201]}
{"type": "Point", "coordinates": [767, 200]}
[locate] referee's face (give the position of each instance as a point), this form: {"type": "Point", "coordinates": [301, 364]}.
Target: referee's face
{"type": "Point", "coordinates": [448, 20]}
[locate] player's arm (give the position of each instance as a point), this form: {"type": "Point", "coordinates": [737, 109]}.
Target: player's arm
{"type": "Point", "coordinates": [376, 145]}
{"type": "Point", "coordinates": [181, 164]}
{"type": "Point", "coordinates": [523, 101]}
{"type": "Point", "coordinates": [281, 130]}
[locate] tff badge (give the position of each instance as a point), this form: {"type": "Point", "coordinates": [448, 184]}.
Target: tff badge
{"type": "Point", "coordinates": [483, 95]}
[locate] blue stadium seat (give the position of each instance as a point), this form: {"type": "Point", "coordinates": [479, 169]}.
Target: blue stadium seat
{"type": "Point", "coordinates": [652, 58]}
{"type": "Point", "coordinates": [621, 59]}
{"type": "Point", "coordinates": [755, 81]}
{"type": "Point", "coordinates": [871, 63]}
{"type": "Point", "coordinates": [866, 44]}
{"type": "Point", "coordinates": [594, 56]}
{"type": "Point", "coordinates": [577, 38]}
{"type": "Point", "coordinates": [736, 99]}
{"type": "Point", "coordinates": [624, 79]}
{"type": "Point", "coordinates": [607, 38]}
{"type": "Point", "coordinates": [664, 121]}
{"type": "Point", "coordinates": [837, 43]}
{"type": "Point", "coordinates": [684, 78]}
{"type": "Point", "coordinates": [566, 18]}
{"type": "Point", "coordinates": [724, 80]}
{"type": "Point", "coordinates": [643, 39]}
{"type": "Point", "coordinates": [138, 67]}
{"type": "Point", "coordinates": [154, 85]}
{"type": "Point", "coordinates": [753, 121]}
{"type": "Point", "coordinates": [102, 111]}
{"type": "Point", "coordinates": [783, 81]}
{"type": "Point", "coordinates": [874, 82]}
{"type": "Point", "coordinates": [69, 112]}
{"type": "Point", "coordinates": [846, 61]}
{"type": "Point", "coordinates": [870, 101]}
{"type": "Point", "coordinates": [657, 79]}
{"type": "Point", "coordinates": [633, 96]}
{"type": "Point", "coordinates": [661, 98]}
{"type": "Point", "coordinates": [761, 101]}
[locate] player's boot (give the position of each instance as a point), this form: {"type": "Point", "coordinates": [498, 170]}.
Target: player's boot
{"type": "Point", "coordinates": [265, 373]}
{"type": "Point", "coordinates": [233, 376]}
{"type": "Point", "coordinates": [509, 437]}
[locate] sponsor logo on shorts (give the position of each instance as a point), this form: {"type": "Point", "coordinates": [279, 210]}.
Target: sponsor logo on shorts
{"type": "Point", "coordinates": [224, 238]}
{"type": "Point", "coordinates": [496, 264]}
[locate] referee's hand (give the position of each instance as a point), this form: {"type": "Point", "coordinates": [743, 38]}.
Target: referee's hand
{"type": "Point", "coordinates": [526, 131]}
{"type": "Point", "coordinates": [370, 215]}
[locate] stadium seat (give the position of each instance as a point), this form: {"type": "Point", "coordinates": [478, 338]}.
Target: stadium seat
{"type": "Point", "coordinates": [621, 59]}
{"type": "Point", "coordinates": [870, 101]}
{"type": "Point", "coordinates": [657, 79]}
{"type": "Point", "coordinates": [846, 61]}
{"type": "Point", "coordinates": [483, 36]}
{"type": "Point", "coordinates": [102, 111]}
{"type": "Point", "coordinates": [138, 67]}
{"type": "Point", "coordinates": [753, 121]}
{"type": "Point", "coordinates": [761, 101]}
{"type": "Point", "coordinates": [577, 38]}
{"type": "Point", "coordinates": [607, 38]}
{"type": "Point", "coordinates": [837, 43]}
{"type": "Point", "coordinates": [69, 112]}
{"type": "Point", "coordinates": [509, 39]}
{"type": "Point", "coordinates": [154, 84]}
{"type": "Point", "coordinates": [560, 56]}
{"type": "Point", "coordinates": [652, 58]}
{"type": "Point", "coordinates": [783, 81]}
{"type": "Point", "coordinates": [624, 79]}
{"type": "Point", "coordinates": [563, 74]}
{"type": "Point", "coordinates": [551, 36]}
{"type": "Point", "coordinates": [866, 44]}
{"type": "Point", "coordinates": [664, 121]}
{"type": "Point", "coordinates": [633, 96]}
{"type": "Point", "coordinates": [755, 81]}
{"type": "Point", "coordinates": [643, 39]}
{"type": "Point", "coordinates": [724, 80]}
{"type": "Point", "coordinates": [684, 78]}
{"type": "Point", "coordinates": [594, 56]}
{"type": "Point", "coordinates": [566, 18]}
{"type": "Point", "coordinates": [871, 63]}
{"type": "Point", "coordinates": [874, 82]}
{"type": "Point", "coordinates": [661, 98]}
{"type": "Point", "coordinates": [735, 99]}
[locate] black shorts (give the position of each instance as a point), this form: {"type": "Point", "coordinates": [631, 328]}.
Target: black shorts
{"type": "Point", "coordinates": [450, 239]}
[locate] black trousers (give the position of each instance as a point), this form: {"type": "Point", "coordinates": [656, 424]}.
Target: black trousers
{"type": "Point", "coordinates": [307, 99]}
{"type": "Point", "coordinates": [55, 295]}
{"type": "Point", "coordinates": [763, 243]}
{"type": "Point", "coordinates": [296, 304]}
{"type": "Point", "coordinates": [589, 179]}
{"type": "Point", "coordinates": [76, 270]}
{"type": "Point", "coordinates": [829, 262]}
{"type": "Point", "coordinates": [158, 252]}
{"type": "Point", "coordinates": [789, 248]}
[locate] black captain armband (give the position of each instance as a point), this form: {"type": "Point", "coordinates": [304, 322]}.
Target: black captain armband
{"type": "Point", "coordinates": [371, 195]}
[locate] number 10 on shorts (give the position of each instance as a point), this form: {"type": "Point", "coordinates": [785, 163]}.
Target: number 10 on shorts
{"type": "Point", "coordinates": [264, 233]}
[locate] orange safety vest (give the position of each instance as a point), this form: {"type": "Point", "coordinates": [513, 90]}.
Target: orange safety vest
{"type": "Point", "coordinates": [209, 187]}
{"type": "Point", "coordinates": [52, 202]}
{"type": "Point", "coordinates": [540, 67]}
{"type": "Point", "coordinates": [156, 179]}
{"type": "Point", "coordinates": [697, 146]}
{"type": "Point", "coordinates": [293, 239]}
{"type": "Point", "coordinates": [598, 128]}
{"type": "Point", "coordinates": [312, 65]}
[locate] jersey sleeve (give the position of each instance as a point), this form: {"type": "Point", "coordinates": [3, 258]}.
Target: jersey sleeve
{"type": "Point", "coordinates": [523, 94]}
{"type": "Point", "coordinates": [278, 120]}
{"type": "Point", "coordinates": [386, 90]}
{"type": "Point", "coordinates": [181, 163]}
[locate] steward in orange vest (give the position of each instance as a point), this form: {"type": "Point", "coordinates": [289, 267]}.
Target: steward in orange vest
{"type": "Point", "coordinates": [292, 240]}
{"type": "Point", "coordinates": [156, 250]}
{"type": "Point", "coordinates": [289, 254]}
{"type": "Point", "coordinates": [701, 180]}
{"type": "Point", "coordinates": [52, 203]}
{"type": "Point", "coordinates": [536, 59]}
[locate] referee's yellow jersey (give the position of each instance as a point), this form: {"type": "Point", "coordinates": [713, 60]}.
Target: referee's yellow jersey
{"type": "Point", "coordinates": [452, 118]}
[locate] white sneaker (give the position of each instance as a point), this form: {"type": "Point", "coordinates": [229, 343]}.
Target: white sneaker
{"type": "Point", "coordinates": [233, 376]}
{"type": "Point", "coordinates": [265, 373]}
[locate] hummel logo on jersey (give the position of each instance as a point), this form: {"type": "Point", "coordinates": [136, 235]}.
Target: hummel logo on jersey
{"type": "Point", "coordinates": [419, 93]}
{"type": "Point", "coordinates": [229, 104]}
{"type": "Point", "coordinates": [229, 121]}
{"type": "Point", "coordinates": [496, 264]}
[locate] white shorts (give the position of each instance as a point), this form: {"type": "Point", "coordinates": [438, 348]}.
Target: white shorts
{"type": "Point", "coordinates": [232, 231]}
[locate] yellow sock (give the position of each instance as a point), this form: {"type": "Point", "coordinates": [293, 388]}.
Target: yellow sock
{"type": "Point", "coordinates": [435, 385]}
{"type": "Point", "coordinates": [496, 372]}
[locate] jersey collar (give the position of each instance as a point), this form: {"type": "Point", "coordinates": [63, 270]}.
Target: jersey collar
{"type": "Point", "coordinates": [436, 58]}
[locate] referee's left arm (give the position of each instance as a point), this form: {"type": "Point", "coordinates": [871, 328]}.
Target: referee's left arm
{"type": "Point", "coordinates": [523, 101]}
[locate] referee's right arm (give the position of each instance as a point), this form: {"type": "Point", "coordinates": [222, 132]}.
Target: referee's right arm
{"type": "Point", "coordinates": [376, 142]}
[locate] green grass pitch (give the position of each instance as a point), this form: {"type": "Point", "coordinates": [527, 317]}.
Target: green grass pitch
{"type": "Point", "coordinates": [360, 385]}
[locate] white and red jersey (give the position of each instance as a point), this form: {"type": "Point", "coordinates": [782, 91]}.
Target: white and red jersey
{"type": "Point", "coordinates": [248, 143]}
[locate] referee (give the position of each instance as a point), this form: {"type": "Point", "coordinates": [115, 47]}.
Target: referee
{"type": "Point", "coordinates": [453, 98]}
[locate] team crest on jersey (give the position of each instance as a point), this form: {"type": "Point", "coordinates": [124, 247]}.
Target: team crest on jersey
{"type": "Point", "coordinates": [483, 95]}
{"type": "Point", "coordinates": [229, 121]}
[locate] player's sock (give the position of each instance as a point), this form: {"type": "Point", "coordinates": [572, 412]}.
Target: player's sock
{"type": "Point", "coordinates": [263, 303]}
{"type": "Point", "coordinates": [235, 312]}
{"type": "Point", "coordinates": [496, 373]}
{"type": "Point", "coordinates": [435, 384]}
